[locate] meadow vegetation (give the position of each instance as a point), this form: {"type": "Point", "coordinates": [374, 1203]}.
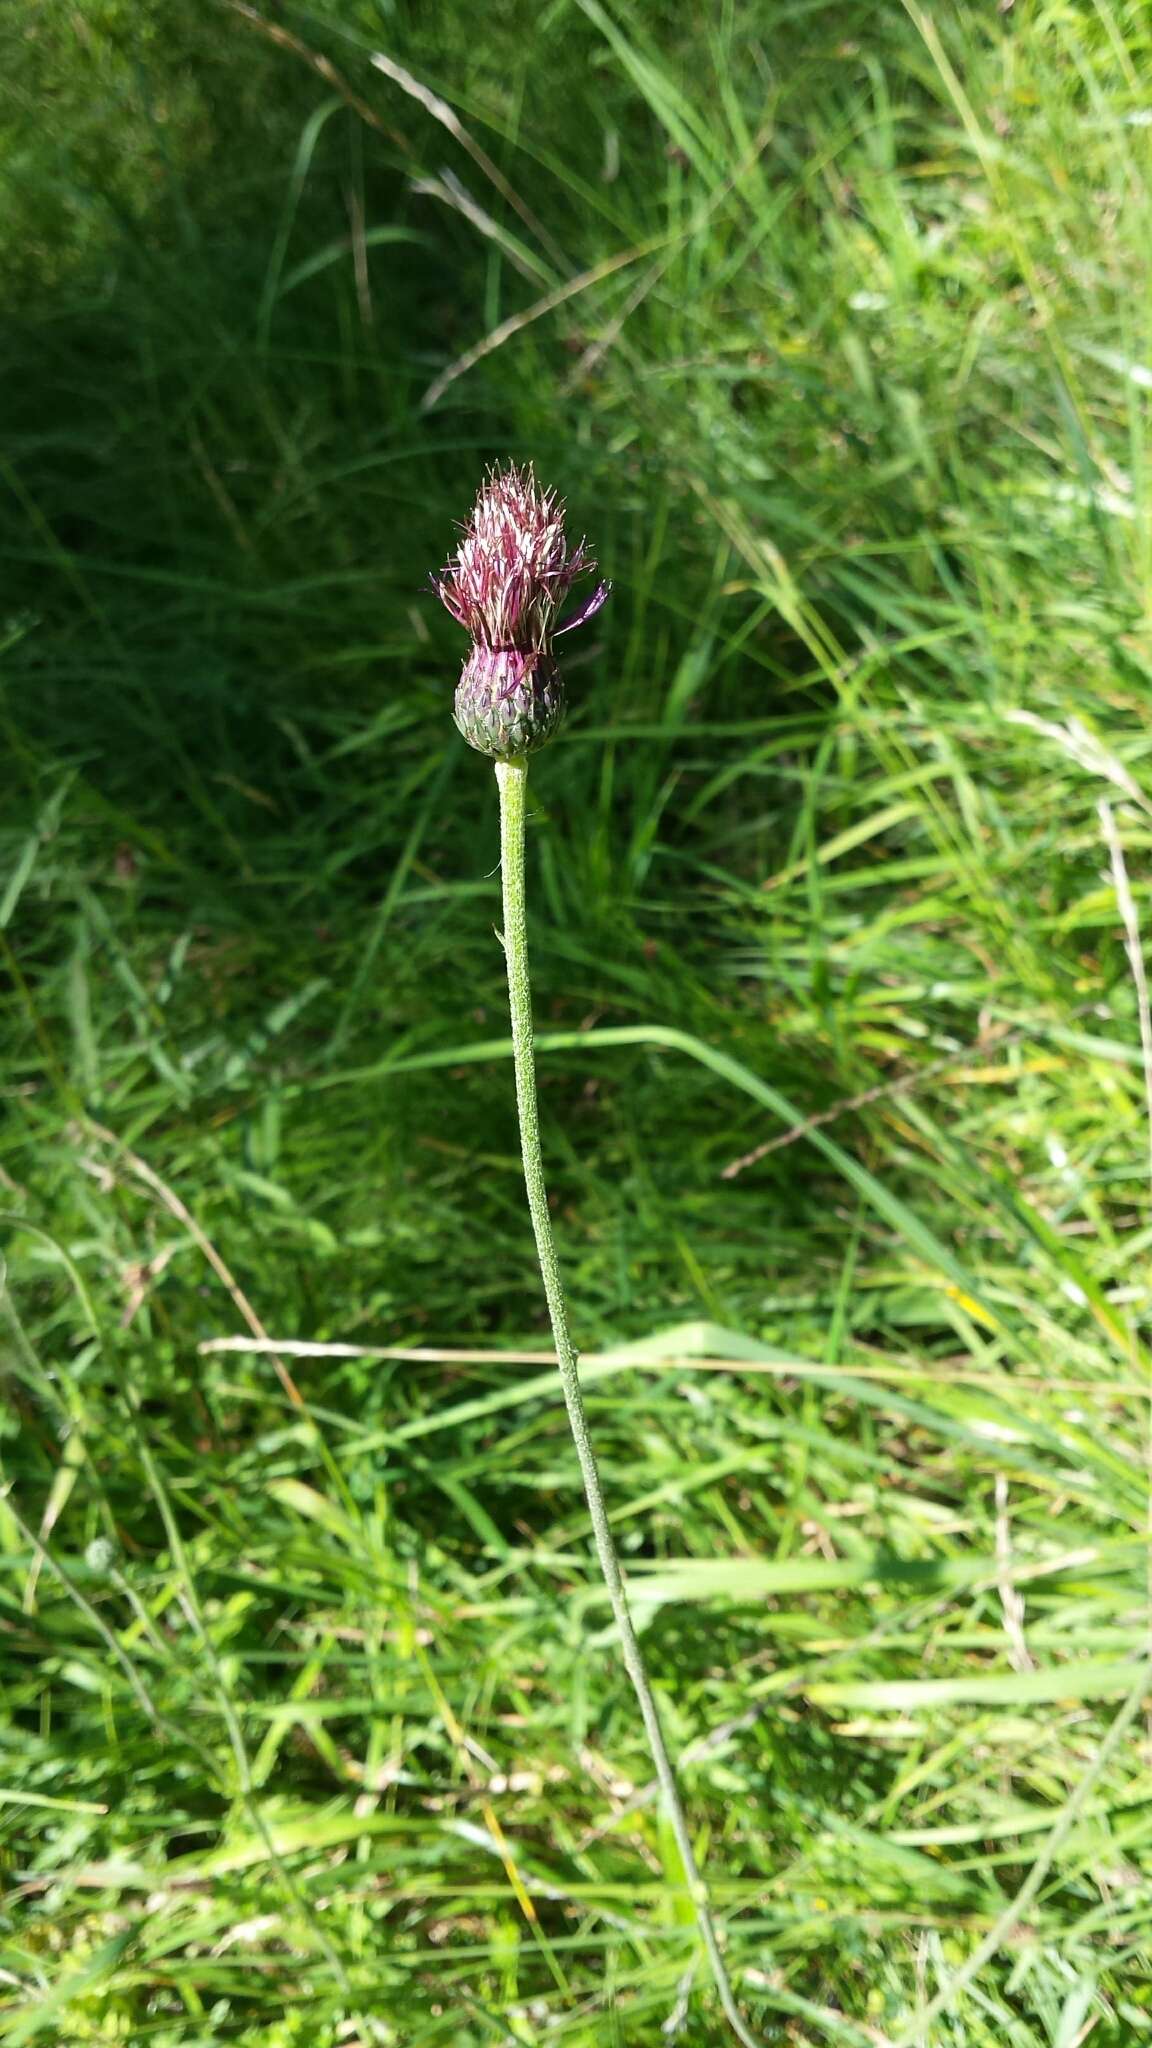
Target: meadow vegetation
{"type": "Point", "coordinates": [832, 321]}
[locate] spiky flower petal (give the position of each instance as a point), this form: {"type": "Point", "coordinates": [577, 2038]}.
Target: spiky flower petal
{"type": "Point", "coordinates": [513, 568]}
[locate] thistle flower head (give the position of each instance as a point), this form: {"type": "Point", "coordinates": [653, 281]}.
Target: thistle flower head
{"type": "Point", "coordinates": [514, 568]}
{"type": "Point", "coordinates": [506, 585]}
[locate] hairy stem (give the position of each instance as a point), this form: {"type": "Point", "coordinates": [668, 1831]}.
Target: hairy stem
{"type": "Point", "coordinates": [512, 777]}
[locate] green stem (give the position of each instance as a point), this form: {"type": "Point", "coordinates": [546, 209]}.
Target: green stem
{"type": "Point", "coordinates": [512, 777]}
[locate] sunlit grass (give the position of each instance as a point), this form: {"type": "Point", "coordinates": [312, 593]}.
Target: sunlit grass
{"type": "Point", "coordinates": [313, 1732]}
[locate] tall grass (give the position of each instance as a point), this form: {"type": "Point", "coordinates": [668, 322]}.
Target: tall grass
{"type": "Point", "coordinates": [834, 323]}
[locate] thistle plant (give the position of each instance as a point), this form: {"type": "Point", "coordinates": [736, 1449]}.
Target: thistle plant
{"type": "Point", "coordinates": [507, 585]}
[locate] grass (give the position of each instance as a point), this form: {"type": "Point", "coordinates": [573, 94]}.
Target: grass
{"type": "Point", "coordinates": [313, 1726]}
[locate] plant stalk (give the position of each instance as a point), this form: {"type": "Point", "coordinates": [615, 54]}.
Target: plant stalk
{"type": "Point", "coordinates": [512, 777]}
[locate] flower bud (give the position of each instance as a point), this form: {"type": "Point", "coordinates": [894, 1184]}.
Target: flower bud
{"type": "Point", "coordinates": [508, 703]}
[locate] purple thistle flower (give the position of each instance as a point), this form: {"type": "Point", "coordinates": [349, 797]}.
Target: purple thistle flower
{"type": "Point", "coordinates": [506, 584]}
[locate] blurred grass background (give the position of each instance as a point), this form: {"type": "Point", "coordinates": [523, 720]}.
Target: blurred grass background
{"type": "Point", "coordinates": [832, 322]}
